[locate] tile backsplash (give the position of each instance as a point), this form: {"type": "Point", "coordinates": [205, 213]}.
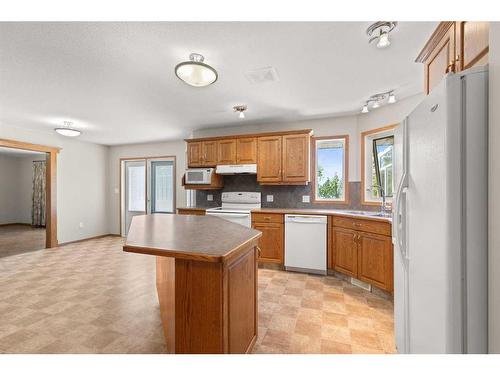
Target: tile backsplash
{"type": "Point", "coordinates": [283, 196]}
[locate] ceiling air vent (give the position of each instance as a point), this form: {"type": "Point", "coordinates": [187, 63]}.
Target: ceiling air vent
{"type": "Point", "coordinates": [262, 75]}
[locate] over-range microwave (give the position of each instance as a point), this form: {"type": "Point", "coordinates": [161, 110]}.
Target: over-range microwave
{"type": "Point", "coordinates": [199, 176]}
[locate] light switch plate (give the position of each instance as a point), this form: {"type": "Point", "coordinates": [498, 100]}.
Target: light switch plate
{"type": "Point", "coordinates": [210, 197]}
{"type": "Point", "coordinates": [306, 199]}
{"type": "Point", "coordinates": [269, 198]}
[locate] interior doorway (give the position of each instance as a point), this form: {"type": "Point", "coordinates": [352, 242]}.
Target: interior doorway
{"type": "Point", "coordinates": [147, 186]}
{"type": "Point", "coordinates": [34, 214]}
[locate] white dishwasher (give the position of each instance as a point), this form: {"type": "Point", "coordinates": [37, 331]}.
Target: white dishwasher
{"type": "Point", "coordinates": [305, 243]}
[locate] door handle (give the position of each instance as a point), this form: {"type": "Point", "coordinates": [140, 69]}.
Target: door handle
{"type": "Point", "coordinates": [259, 251]}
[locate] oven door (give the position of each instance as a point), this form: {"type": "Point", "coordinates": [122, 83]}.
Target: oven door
{"type": "Point", "coordinates": [238, 218]}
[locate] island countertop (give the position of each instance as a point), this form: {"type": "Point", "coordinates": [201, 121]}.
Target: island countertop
{"type": "Point", "coordinates": [202, 238]}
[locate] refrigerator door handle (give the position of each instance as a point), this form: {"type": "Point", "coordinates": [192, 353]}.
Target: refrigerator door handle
{"type": "Point", "coordinates": [402, 224]}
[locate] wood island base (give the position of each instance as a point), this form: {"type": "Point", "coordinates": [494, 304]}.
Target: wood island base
{"type": "Point", "coordinates": [208, 307]}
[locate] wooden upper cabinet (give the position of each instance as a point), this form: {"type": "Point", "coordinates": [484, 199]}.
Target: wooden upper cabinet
{"type": "Point", "coordinates": [246, 150]}
{"type": "Point", "coordinates": [375, 260]}
{"type": "Point", "coordinates": [441, 59]}
{"type": "Point", "coordinates": [209, 152]}
{"type": "Point", "coordinates": [194, 154]}
{"type": "Point", "coordinates": [269, 159]}
{"type": "Point", "coordinates": [226, 150]}
{"type": "Point", "coordinates": [453, 47]}
{"type": "Point", "coordinates": [296, 158]}
{"type": "Point", "coordinates": [345, 250]}
{"type": "Point", "coordinates": [472, 43]}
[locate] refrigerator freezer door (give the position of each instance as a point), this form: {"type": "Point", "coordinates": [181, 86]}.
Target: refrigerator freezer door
{"type": "Point", "coordinates": [433, 198]}
{"type": "Point", "coordinates": [399, 239]}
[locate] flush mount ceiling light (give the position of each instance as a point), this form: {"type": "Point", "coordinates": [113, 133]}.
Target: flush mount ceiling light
{"type": "Point", "coordinates": [67, 130]}
{"type": "Point", "coordinates": [379, 31]}
{"type": "Point", "coordinates": [241, 109]}
{"type": "Point", "coordinates": [195, 72]}
{"type": "Point", "coordinates": [376, 100]}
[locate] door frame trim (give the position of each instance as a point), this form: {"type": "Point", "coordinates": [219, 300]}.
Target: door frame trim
{"type": "Point", "coordinates": [50, 185]}
{"type": "Point", "coordinates": [145, 158]}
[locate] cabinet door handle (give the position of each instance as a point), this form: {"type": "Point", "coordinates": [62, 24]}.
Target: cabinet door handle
{"type": "Point", "coordinates": [258, 251]}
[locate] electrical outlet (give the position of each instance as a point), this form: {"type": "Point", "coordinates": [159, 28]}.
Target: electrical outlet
{"type": "Point", "coordinates": [210, 197]}
{"type": "Point", "coordinates": [306, 199]}
{"type": "Point", "coordinates": [81, 225]}
{"type": "Point", "coordinates": [269, 198]}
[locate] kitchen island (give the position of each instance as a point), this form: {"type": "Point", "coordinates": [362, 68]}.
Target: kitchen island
{"type": "Point", "coordinates": [206, 279]}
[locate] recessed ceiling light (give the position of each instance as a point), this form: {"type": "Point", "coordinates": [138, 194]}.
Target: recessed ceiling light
{"type": "Point", "coordinates": [68, 130]}
{"type": "Point", "coordinates": [241, 109]}
{"type": "Point", "coordinates": [195, 72]}
{"type": "Point", "coordinates": [379, 31]}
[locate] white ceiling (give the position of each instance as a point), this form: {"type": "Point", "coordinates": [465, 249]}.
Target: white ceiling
{"type": "Point", "coordinates": [15, 152]}
{"type": "Point", "coordinates": [116, 81]}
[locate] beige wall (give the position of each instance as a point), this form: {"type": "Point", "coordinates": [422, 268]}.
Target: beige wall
{"type": "Point", "coordinates": [494, 190]}
{"type": "Point", "coordinates": [81, 182]}
{"type": "Point", "coordinates": [176, 148]}
{"type": "Point", "coordinates": [8, 189]}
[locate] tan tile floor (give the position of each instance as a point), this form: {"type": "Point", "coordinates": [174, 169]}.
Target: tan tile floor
{"type": "Point", "coordinates": [315, 314]}
{"type": "Point", "coordinates": [90, 297]}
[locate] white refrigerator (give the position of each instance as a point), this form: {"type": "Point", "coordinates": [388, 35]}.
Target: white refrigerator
{"type": "Point", "coordinates": [440, 219]}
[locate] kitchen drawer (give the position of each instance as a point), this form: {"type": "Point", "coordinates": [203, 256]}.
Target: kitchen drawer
{"type": "Point", "coordinates": [369, 226]}
{"type": "Point", "coordinates": [267, 218]}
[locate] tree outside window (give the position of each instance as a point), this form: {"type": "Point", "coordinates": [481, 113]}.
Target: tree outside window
{"type": "Point", "coordinates": [330, 173]}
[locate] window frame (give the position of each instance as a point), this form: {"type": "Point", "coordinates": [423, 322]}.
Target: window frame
{"type": "Point", "coordinates": [344, 201]}
{"type": "Point", "coordinates": [384, 131]}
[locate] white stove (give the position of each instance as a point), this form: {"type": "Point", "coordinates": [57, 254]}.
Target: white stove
{"type": "Point", "coordinates": [236, 207]}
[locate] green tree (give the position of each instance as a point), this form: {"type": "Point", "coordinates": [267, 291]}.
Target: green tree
{"type": "Point", "coordinates": [329, 188]}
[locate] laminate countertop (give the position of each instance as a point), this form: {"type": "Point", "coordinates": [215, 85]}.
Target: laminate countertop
{"type": "Point", "coordinates": [367, 215]}
{"type": "Point", "coordinates": [202, 238]}
{"type": "Point", "coordinates": [313, 211]}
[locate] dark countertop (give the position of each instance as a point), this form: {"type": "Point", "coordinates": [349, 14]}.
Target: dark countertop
{"type": "Point", "coordinates": [202, 238]}
{"type": "Point", "coordinates": [312, 211]}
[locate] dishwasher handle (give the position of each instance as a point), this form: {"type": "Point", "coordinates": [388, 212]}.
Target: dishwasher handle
{"type": "Point", "coordinates": [305, 219]}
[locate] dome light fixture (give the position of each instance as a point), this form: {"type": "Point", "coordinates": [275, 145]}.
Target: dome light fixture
{"type": "Point", "coordinates": [195, 72]}
{"type": "Point", "coordinates": [241, 109]}
{"type": "Point", "coordinates": [379, 31]}
{"type": "Point", "coordinates": [67, 130]}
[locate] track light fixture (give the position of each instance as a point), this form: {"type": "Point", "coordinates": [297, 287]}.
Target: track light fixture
{"type": "Point", "coordinates": [241, 110]}
{"type": "Point", "coordinates": [375, 101]}
{"type": "Point", "coordinates": [379, 31]}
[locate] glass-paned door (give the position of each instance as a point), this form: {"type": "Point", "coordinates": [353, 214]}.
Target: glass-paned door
{"type": "Point", "coordinates": [162, 186]}
{"type": "Point", "coordinates": [135, 190]}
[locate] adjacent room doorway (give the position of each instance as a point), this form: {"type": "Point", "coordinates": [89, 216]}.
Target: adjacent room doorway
{"type": "Point", "coordinates": [147, 186]}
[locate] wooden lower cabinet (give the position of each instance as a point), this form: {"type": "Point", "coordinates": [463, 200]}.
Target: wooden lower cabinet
{"type": "Point", "coordinates": [375, 260]}
{"type": "Point", "coordinates": [346, 254]}
{"type": "Point", "coordinates": [363, 255]}
{"type": "Point", "coordinates": [271, 243]}
{"type": "Point", "coordinates": [191, 211]}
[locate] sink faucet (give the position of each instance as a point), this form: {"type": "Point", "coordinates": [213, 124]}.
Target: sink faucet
{"type": "Point", "coordinates": [384, 209]}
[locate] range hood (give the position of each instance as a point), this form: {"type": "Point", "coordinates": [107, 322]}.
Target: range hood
{"type": "Point", "coordinates": [236, 169]}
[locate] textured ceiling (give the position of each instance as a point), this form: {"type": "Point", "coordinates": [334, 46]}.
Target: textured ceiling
{"type": "Point", "coordinates": [116, 81]}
